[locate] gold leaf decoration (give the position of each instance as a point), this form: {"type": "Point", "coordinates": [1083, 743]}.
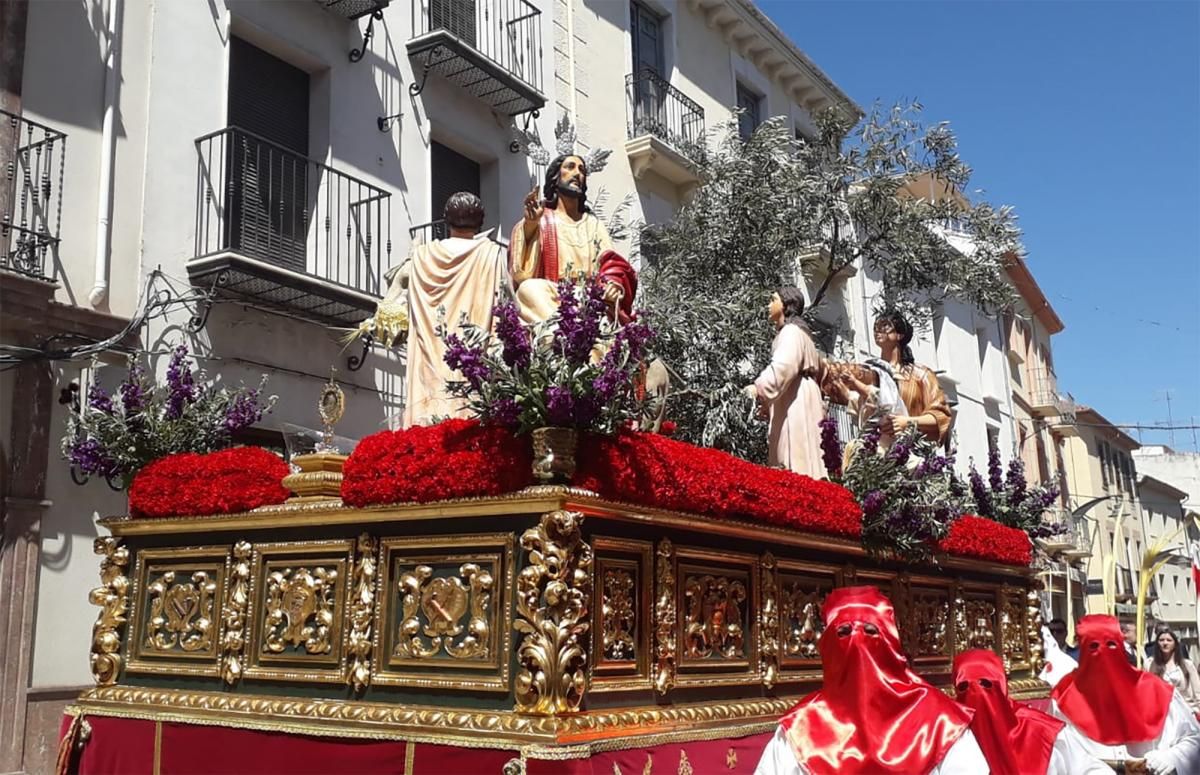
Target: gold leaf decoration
{"type": "Point", "coordinates": [110, 596]}
{"type": "Point", "coordinates": [769, 647]}
{"type": "Point", "coordinates": [664, 618]}
{"type": "Point", "coordinates": [362, 609]}
{"type": "Point", "coordinates": [233, 614]}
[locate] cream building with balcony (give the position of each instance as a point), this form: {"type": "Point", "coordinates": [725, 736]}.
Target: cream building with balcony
{"type": "Point", "coordinates": [1164, 517]}
{"type": "Point", "coordinates": [271, 160]}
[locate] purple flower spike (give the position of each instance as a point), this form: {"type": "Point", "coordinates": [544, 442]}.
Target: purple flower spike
{"type": "Point", "coordinates": [512, 335]}
{"type": "Point", "coordinates": [99, 400]}
{"type": "Point", "coordinates": [181, 385]}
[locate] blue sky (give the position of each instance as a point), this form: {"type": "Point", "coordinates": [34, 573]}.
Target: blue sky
{"type": "Point", "coordinates": [1085, 116]}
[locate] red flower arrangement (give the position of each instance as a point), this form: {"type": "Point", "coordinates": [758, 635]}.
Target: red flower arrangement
{"type": "Point", "coordinates": [453, 459]}
{"type": "Point", "coordinates": [652, 470]}
{"type": "Point", "coordinates": [972, 536]}
{"type": "Point", "coordinates": [224, 482]}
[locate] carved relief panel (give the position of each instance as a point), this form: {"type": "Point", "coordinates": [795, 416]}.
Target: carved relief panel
{"type": "Point", "coordinates": [177, 605]}
{"type": "Point", "coordinates": [442, 617]}
{"type": "Point", "coordinates": [298, 611]}
{"type": "Point", "coordinates": [622, 602]}
{"type": "Point", "coordinates": [802, 591]}
{"type": "Point", "coordinates": [1014, 627]}
{"type": "Point", "coordinates": [930, 625]}
{"type": "Point", "coordinates": [718, 633]}
{"type": "Point", "coordinates": [976, 615]}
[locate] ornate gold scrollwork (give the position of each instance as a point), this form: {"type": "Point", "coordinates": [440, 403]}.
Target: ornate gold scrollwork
{"type": "Point", "coordinates": [182, 612]}
{"type": "Point", "coordinates": [980, 631]}
{"type": "Point", "coordinates": [433, 608]}
{"type": "Point", "coordinates": [802, 613]}
{"type": "Point", "coordinates": [1034, 624]}
{"type": "Point", "coordinates": [110, 597]}
{"type": "Point", "coordinates": [300, 604]}
{"type": "Point", "coordinates": [714, 617]}
{"type": "Point", "coordinates": [233, 613]}
{"type": "Point", "coordinates": [553, 591]}
{"type": "Point", "coordinates": [362, 609]}
{"type": "Point", "coordinates": [1012, 633]}
{"type": "Point", "coordinates": [618, 615]}
{"type": "Point", "coordinates": [665, 618]}
{"type": "Point", "coordinates": [769, 649]}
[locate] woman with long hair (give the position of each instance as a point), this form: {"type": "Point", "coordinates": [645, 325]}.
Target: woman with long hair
{"type": "Point", "coordinates": [919, 388]}
{"type": "Point", "coordinates": [787, 389]}
{"type": "Point", "coordinates": [1172, 666]}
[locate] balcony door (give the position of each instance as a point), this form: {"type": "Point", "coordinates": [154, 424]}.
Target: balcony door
{"type": "Point", "coordinates": [267, 151]}
{"type": "Point", "coordinates": [451, 172]}
{"type": "Point", "coordinates": [649, 87]}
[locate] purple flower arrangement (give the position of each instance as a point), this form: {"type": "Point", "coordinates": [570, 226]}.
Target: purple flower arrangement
{"type": "Point", "coordinates": [113, 436]}
{"type": "Point", "coordinates": [831, 447]}
{"type": "Point", "coordinates": [907, 493]}
{"type": "Point", "coordinates": [1008, 499]}
{"type": "Point", "coordinates": [576, 370]}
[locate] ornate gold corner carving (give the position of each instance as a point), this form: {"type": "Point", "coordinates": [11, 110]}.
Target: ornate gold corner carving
{"type": "Point", "coordinates": [769, 623]}
{"type": "Point", "coordinates": [665, 618]}
{"type": "Point", "coordinates": [553, 592]}
{"type": "Point", "coordinates": [111, 598]}
{"type": "Point", "coordinates": [1033, 622]}
{"type": "Point", "coordinates": [233, 613]}
{"type": "Point", "coordinates": [361, 612]}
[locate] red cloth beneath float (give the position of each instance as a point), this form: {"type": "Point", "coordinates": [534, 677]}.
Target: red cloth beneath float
{"type": "Point", "coordinates": [119, 746]}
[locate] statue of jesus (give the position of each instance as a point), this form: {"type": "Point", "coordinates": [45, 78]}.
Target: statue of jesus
{"type": "Point", "coordinates": [560, 237]}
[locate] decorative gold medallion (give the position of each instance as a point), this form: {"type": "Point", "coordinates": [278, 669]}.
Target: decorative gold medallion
{"type": "Point", "coordinates": [110, 597]}
{"type": "Point", "coordinates": [433, 608]}
{"type": "Point", "coordinates": [182, 612]}
{"type": "Point", "coordinates": [714, 617]}
{"type": "Point", "coordinates": [331, 407]}
{"type": "Point", "coordinates": [300, 604]}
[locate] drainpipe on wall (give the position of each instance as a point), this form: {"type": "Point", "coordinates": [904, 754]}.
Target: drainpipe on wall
{"type": "Point", "coordinates": [108, 151]}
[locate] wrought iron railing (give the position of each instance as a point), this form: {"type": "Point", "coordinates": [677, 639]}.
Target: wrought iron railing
{"type": "Point", "coordinates": [657, 108]}
{"type": "Point", "coordinates": [260, 200]}
{"type": "Point", "coordinates": [508, 32]}
{"type": "Point", "coordinates": [31, 181]}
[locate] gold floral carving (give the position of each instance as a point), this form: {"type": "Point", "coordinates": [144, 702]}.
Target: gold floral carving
{"type": "Point", "coordinates": [110, 597]}
{"type": "Point", "coordinates": [714, 616]}
{"type": "Point", "coordinates": [1013, 634]}
{"type": "Point", "coordinates": [618, 615]}
{"type": "Point", "coordinates": [182, 612]}
{"type": "Point", "coordinates": [664, 618]}
{"type": "Point", "coordinates": [362, 610]}
{"type": "Point", "coordinates": [979, 631]}
{"type": "Point", "coordinates": [433, 608]}
{"type": "Point", "coordinates": [233, 614]}
{"type": "Point", "coordinates": [553, 590]}
{"type": "Point", "coordinates": [802, 615]}
{"type": "Point", "coordinates": [685, 766]}
{"type": "Point", "coordinates": [300, 608]}
{"type": "Point", "coordinates": [769, 613]}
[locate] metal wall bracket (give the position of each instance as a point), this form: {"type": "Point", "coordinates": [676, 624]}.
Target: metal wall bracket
{"type": "Point", "coordinates": [355, 362]}
{"type": "Point", "coordinates": [356, 54]}
{"type": "Point", "coordinates": [416, 87]}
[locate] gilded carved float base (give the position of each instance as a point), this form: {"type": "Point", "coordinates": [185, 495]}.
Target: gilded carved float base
{"type": "Point", "coordinates": [575, 736]}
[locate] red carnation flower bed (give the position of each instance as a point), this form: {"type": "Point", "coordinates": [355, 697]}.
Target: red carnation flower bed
{"type": "Point", "coordinates": [224, 482]}
{"type": "Point", "coordinates": [652, 470]}
{"type": "Point", "coordinates": [972, 536]}
{"type": "Point", "coordinates": [453, 459]}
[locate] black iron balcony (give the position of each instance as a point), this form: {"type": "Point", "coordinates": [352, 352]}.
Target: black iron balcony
{"type": "Point", "coordinates": [658, 109]}
{"type": "Point", "coordinates": [490, 48]}
{"type": "Point", "coordinates": [284, 231]}
{"type": "Point", "coordinates": [31, 178]}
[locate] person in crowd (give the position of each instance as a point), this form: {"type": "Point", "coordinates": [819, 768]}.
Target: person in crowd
{"type": "Point", "coordinates": [1056, 663]}
{"type": "Point", "coordinates": [1014, 737]}
{"type": "Point", "coordinates": [1168, 662]}
{"type": "Point", "coordinates": [873, 714]}
{"type": "Point", "coordinates": [1058, 628]}
{"type": "Point", "coordinates": [1159, 629]}
{"type": "Point", "coordinates": [1130, 641]}
{"type": "Point", "coordinates": [1127, 718]}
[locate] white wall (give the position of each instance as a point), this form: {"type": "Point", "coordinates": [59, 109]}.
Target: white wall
{"type": "Point", "coordinates": [173, 74]}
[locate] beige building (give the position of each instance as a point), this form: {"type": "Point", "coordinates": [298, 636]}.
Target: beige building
{"type": "Point", "coordinates": [1165, 518]}
{"type": "Point", "coordinates": [1043, 419]}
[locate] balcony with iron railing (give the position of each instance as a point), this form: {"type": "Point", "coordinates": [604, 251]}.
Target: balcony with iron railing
{"type": "Point", "coordinates": [492, 49]}
{"type": "Point", "coordinates": [1073, 541]}
{"type": "Point", "coordinates": [31, 182]}
{"type": "Point", "coordinates": [287, 232]}
{"type": "Point", "coordinates": [1045, 399]}
{"type": "Point", "coordinates": [665, 129]}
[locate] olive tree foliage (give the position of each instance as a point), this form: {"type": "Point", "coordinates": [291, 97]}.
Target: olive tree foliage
{"type": "Point", "coordinates": [772, 210]}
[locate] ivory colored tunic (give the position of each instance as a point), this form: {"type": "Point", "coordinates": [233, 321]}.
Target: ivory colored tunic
{"type": "Point", "coordinates": [964, 758]}
{"type": "Point", "coordinates": [921, 393]}
{"type": "Point", "coordinates": [788, 387]}
{"type": "Point", "coordinates": [580, 244]}
{"type": "Point", "coordinates": [1179, 739]}
{"type": "Point", "coordinates": [463, 276]}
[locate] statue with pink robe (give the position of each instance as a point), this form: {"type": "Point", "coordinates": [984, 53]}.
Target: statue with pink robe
{"type": "Point", "coordinates": [787, 390]}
